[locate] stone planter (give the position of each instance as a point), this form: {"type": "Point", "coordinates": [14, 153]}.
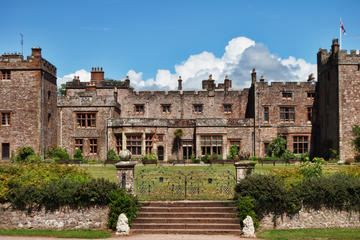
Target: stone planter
{"type": "Point", "coordinates": [243, 169]}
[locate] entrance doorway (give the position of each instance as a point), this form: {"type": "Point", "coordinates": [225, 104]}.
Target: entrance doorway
{"type": "Point", "coordinates": [5, 149]}
{"type": "Point", "coordinates": [161, 153]}
{"type": "Point", "coordinates": [187, 149]}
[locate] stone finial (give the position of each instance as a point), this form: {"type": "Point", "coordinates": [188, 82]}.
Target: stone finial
{"type": "Point", "coordinates": [262, 78]}
{"type": "Point", "coordinates": [253, 70]}
{"type": "Point", "coordinates": [179, 83]}
{"type": "Point", "coordinates": [253, 76]}
{"type": "Point", "coordinates": [210, 77]}
{"type": "Point", "coordinates": [226, 77]}
{"type": "Point", "coordinates": [127, 78]}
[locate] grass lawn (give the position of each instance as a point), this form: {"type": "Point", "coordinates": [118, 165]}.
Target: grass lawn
{"type": "Point", "coordinates": [312, 233]}
{"type": "Point", "coordinates": [93, 234]}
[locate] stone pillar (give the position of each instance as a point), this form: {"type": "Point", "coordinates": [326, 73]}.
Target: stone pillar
{"type": "Point", "coordinates": [243, 169]}
{"type": "Point", "coordinates": [125, 175]}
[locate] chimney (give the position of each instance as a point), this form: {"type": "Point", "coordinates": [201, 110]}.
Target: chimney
{"type": "Point", "coordinates": [262, 78]}
{"type": "Point", "coordinates": [179, 83]}
{"type": "Point", "coordinates": [335, 45]}
{"type": "Point", "coordinates": [90, 87]}
{"type": "Point", "coordinates": [97, 74]}
{"type": "Point", "coordinates": [76, 80]}
{"type": "Point", "coordinates": [36, 52]}
{"type": "Point", "coordinates": [253, 76]}
{"type": "Point", "coordinates": [127, 81]}
{"type": "Point", "coordinates": [227, 82]}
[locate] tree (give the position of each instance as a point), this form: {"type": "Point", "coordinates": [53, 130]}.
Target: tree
{"type": "Point", "coordinates": [278, 146]}
{"type": "Point", "coordinates": [178, 134]}
{"type": "Point", "coordinates": [62, 90]}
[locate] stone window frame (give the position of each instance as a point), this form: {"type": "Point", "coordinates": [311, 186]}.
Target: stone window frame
{"type": "Point", "coordinates": [287, 94]}
{"type": "Point", "coordinates": [186, 144]}
{"type": "Point", "coordinates": [87, 117]}
{"type": "Point", "coordinates": [135, 149]}
{"type": "Point", "coordinates": [286, 113]}
{"type": "Point", "coordinates": [6, 118]}
{"type": "Point", "coordinates": [266, 145]}
{"type": "Point", "coordinates": [79, 144]}
{"type": "Point", "coordinates": [301, 144]}
{"type": "Point", "coordinates": [139, 108]}
{"type": "Point", "coordinates": [166, 108]}
{"type": "Point", "coordinates": [93, 146]}
{"type": "Point", "coordinates": [5, 74]}
{"type": "Point", "coordinates": [310, 95]}
{"type": "Point", "coordinates": [198, 108]}
{"type": "Point", "coordinates": [266, 113]}
{"type": "Point", "coordinates": [212, 146]}
{"type": "Point", "coordinates": [227, 108]}
{"type": "Point", "coordinates": [149, 141]}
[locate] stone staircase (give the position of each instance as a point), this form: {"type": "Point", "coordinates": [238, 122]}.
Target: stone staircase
{"type": "Point", "coordinates": [187, 217]}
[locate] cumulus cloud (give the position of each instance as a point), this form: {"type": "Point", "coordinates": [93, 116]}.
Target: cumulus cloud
{"type": "Point", "coordinates": [241, 55]}
{"type": "Point", "coordinates": [82, 73]}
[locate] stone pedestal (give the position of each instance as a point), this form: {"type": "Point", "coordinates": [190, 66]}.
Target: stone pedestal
{"type": "Point", "coordinates": [125, 175]}
{"type": "Point", "coordinates": [243, 169]}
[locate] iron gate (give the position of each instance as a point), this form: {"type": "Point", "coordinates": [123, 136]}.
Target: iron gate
{"type": "Point", "coordinates": [203, 184]}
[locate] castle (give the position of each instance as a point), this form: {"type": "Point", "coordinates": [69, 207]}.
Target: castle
{"type": "Point", "coordinates": [100, 115]}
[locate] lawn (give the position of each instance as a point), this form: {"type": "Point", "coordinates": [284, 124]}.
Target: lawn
{"type": "Point", "coordinates": [312, 233]}
{"type": "Point", "coordinates": [89, 234]}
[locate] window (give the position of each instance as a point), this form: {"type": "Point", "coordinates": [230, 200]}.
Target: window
{"type": "Point", "coordinates": [227, 108]}
{"type": "Point", "coordinates": [165, 108]}
{"type": "Point", "coordinates": [139, 108]}
{"type": "Point", "coordinates": [266, 148]}
{"type": "Point", "coordinates": [49, 120]}
{"type": "Point", "coordinates": [93, 146]}
{"type": "Point", "coordinates": [198, 108]}
{"type": "Point", "coordinates": [5, 74]}
{"type": "Point", "coordinates": [211, 144]}
{"type": "Point", "coordinates": [287, 95]}
{"type": "Point", "coordinates": [287, 114]}
{"type": "Point", "coordinates": [86, 120]}
{"type": "Point", "coordinates": [5, 118]}
{"type": "Point", "coordinates": [187, 146]}
{"type": "Point", "coordinates": [301, 144]}
{"type": "Point", "coordinates": [266, 114]}
{"type": "Point", "coordinates": [5, 150]}
{"type": "Point", "coordinates": [118, 143]}
{"type": "Point", "coordinates": [148, 143]}
{"type": "Point", "coordinates": [310, 95]}
{"type": "Point", "coordinates": [49, 96]}
{"type": "Point", "coordinates": [309, 114]}
{"type": "Point", "coordinates": [133, 144]}
{"type": "Point", "coordinates": [79, 144]}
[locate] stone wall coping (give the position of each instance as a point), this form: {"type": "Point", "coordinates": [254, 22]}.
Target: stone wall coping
{"type": "Point", "coordinates": [121, 165]}
{"type": "Point", "coordinates": [245, 164]}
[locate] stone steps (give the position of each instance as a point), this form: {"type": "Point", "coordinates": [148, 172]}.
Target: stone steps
{"type": "Point", "coordinates": [187, 217]}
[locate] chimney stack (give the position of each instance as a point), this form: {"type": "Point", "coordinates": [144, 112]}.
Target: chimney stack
{"type": "Point", "coordinates": [179, 83]}
{"type": "Point", "coordinates": [36, 52]}
{"type": "Point", "coordinates": [127, 81]}
{"type": "Point", "coordinates": [227, 82]}
{"type": "Point", "coordinates": [253, 76]}
{"type": "Point", "coordinates": [97, 74]}
{"type": "Point", "coordinates": [335, 45]}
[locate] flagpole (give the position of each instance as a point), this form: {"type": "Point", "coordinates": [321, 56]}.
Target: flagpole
{"type": "Point", "coordinates": [340, 33]}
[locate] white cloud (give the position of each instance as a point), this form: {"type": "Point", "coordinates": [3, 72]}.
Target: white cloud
{"type": "Point", "coordinates": [82, 73]}
{"type": "Point", "coordinates": [240, 57]}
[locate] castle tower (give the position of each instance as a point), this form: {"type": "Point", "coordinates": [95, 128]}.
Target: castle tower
{"type": "Point", "coordinates": [27, 104]}
{"type": "Point", "coordinates": [336, 105]}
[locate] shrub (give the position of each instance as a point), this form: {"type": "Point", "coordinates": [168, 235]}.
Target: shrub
{"type": "Point", "coordinates": [205, 159]}
{"type": "Point", "coordinates": [78, 155]}
{"type": "Point", "coordinates": [287, 155]}
{"type": "Point", "coordinates": [245, 207]}
{"type": "Point", "coordinates": [149, 158]}
{"type": "Point", "coordinates": [112, 156]}
{"type": "Point", "coordinates": [57, 153]}
{"type": "Point", "coordinates": [356, 140]}
{"type": "Point", "coordinates": [277, 147]}
{"type": "Point", "coordinates": [171, 160]}
{"type": "Point", "coordinates": [234, 151]}
{"type": "Point", "coordinates": [351, 170]}
{"type": "Point", "coordinates": [357, 158]}
{"type": "Point", "coordinates": [349, 161]}
{"type": "Point", "coordinates": [23, 154]}
{"type": "Point", "coordinates": [312, 168]}
{"type": "Point", "coordinates": [121, 202]}
{"type": "Point", "coordinates": [33, 159]}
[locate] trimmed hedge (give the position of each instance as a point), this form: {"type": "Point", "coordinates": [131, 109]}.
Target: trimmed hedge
{"type": "Point", "coordinates": [337, 191]}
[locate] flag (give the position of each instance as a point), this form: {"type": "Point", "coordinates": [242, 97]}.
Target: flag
{"type": "Point", "coordinates": [342, 27]}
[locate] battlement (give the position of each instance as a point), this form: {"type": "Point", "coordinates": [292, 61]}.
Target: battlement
{"type": "Point", "coordinates": [338, 56]}
{"type": "Point", "coordinates": [287, 85]}
{"type": "Point", "coordinates": [35, 61]}
{"type": "Point", "coordinates": [87, 99]}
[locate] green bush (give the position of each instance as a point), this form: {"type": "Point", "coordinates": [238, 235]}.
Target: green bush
{"type": "Point", "coordinates": [121, 202]}
{"type": "Point", "coordinates": [234, 151]}
{"type": "Point", "coordinates": [57, 153]}
{"type": "Point", "coordinates": [245, 207]}
{"type": "Point", "coordinates": [206, 159]}
{"type": "Point", "coordinates": [150, 158]}
{"type": "Point", "coordinates": [287, 155]}
{"type": "Point", "coordinates": [277, 147]}
{"type": "Point", "coordinates": [78, 155]}
{"type": "Point", "coordinates": [25, 155]}
{"type": "Point", "coordinates": [112, 156]}
{"type": "Point", "coordinates": [312, 168]}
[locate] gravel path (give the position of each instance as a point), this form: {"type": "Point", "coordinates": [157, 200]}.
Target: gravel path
{"type": "Point", "coordinates": [145, 237]}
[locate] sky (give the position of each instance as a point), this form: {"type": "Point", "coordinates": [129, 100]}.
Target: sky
{"type": "Point", "coordinates": [154, 42]}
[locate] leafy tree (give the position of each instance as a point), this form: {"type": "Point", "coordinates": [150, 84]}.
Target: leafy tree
{"type": "Point", "coordinates": [234, 151]}
{"type": "Point", "coordinates": [112, 156]}
{"type": "Point", "coordinates": [78, 155]}
{"type": "Point", "coordinates": [277, 147]}
{"type": "Point", "coordinates": [178, 133]}
{"type": "Point", "coordinates": [62, 90]}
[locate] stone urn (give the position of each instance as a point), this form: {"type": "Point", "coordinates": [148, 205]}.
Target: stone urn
{"type": "Point", "coordinates": [125, 155]}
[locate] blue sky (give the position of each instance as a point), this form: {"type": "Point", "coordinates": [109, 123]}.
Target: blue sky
{"type": "Point", "coordinates": [147, 39]}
